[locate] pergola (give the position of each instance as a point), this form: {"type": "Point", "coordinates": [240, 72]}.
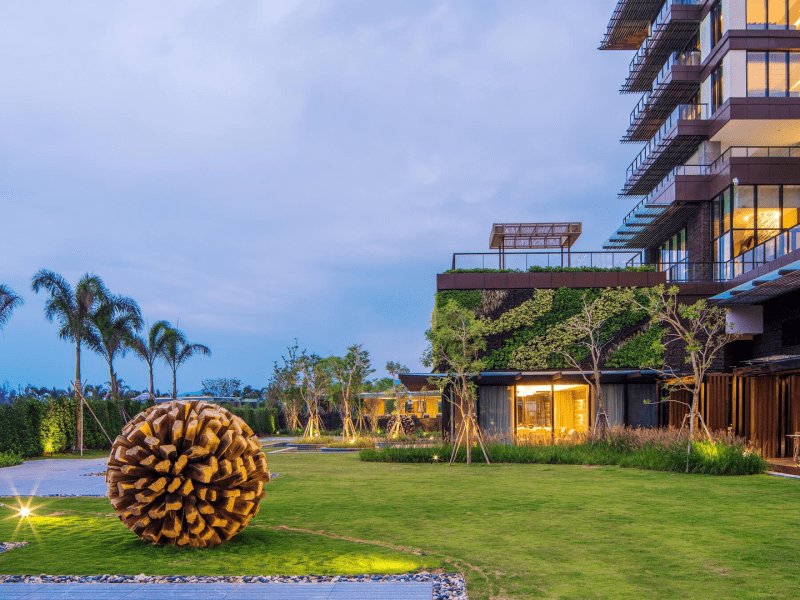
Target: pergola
{"type": "Point", "coordinates": [534, 236]}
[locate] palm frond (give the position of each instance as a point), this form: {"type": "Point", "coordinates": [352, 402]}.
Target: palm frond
{"type": "Point", "coordinates": [8, 302]}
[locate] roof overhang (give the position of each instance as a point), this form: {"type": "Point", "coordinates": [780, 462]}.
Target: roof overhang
{"type": "Point", "coordinates": [762, 288]}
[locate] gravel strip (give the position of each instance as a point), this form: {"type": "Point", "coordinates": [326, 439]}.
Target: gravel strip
{"type": "Point", "coordinates": [445, 587]}
{"type": "Point", "coordinates": [11, 545]}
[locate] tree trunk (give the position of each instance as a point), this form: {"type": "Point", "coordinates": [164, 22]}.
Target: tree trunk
{"type": "Point", "coordinates": [692, 422]}
{"type": "Point", "coordinates": [174, 384]}
{"type": "Point", "coordinates": [79, 393]}
{"type": "Point", "coordinates": [150, 365]}
{"type": "Point", "coordinates": [113, 377]}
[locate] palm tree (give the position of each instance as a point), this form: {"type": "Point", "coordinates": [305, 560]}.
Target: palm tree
{"type": "Point", "coordinates": [8, 302]}
{"type": "Point", "coordinates": [177, 350]}
{"type": "Point", "coordinates": [74, 311]}
{"type": "Point", "coordinates": [115, 321]}
{"type": "Point", "coordinates": [150, 349]}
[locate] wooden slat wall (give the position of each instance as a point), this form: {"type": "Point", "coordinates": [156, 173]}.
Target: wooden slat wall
{"type": "Point", "coordinates": [763, 392]}
{"type": "Point", "coordinates": [677, 410]}
{"type": "Point", "coordinates": [794, 403]}
{"type": "Point", "coordinates": [715, 403]}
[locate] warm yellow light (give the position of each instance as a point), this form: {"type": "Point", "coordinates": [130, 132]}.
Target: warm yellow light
{"type": "Point", "coordinates": [530, 390]}
{"type": "Point", "coordinates": [353, 441]}
{"type": "Point", "coordinates": [24, 512]}
{"type": "Point", "coordinates": [435, 458]}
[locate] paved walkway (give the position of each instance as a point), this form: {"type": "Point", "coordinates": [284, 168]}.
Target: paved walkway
{"type": "Point", "coordinates": [69, 476]}
{"type": "Point", "coordinates": [218, 591]}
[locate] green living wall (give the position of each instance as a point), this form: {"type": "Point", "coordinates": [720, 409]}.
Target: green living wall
{"type": "Point", "coordinates": [529, 333]}
{"type": "Point", "coordinates": [31, 427]}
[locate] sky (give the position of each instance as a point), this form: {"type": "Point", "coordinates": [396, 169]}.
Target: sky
{"type": "Point", "coordinates": [260, 171]}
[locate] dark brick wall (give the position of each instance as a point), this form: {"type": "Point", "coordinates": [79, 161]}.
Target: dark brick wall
{"type": "Point", "coordinates": [698, 235]}
{"type": "Point", "coordinates": [776, 312]}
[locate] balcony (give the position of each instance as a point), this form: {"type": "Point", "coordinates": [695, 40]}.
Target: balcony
{"type": "Point", "coordinates": [629, 24]}
{"type": "Point", "coordinates": [674, 27]}
{"type": "Point", "coordinates": [676, 83]}
{"type": "Point", "coordinates": [522, 261]}
{"type": "Point", "coordinates": [674, 142]}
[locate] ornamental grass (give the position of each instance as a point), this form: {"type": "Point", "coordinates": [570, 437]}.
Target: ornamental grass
{"type": "Point", "coordinates": [650, 449]}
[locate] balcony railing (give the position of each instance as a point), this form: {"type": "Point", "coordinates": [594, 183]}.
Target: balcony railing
{"type": "Point", "coordinates": [752, 152]}
{"type": "Point", "coordinates": [651, 41]}
{"type": "Point", "coordinates": [681, 113]}
{"type": "Point", "coordinates": [522, 261]}
{"type": "Point", "coordinates": [688, 58]}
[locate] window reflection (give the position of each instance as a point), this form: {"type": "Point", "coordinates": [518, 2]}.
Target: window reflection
{"type": "Point", "coordinates": [551, 410]}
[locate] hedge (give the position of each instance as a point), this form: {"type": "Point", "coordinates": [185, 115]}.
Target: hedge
{"type": "Point", "coordinates": [31, 427]}
{"type": "Point", "coordinates": [261, 420]}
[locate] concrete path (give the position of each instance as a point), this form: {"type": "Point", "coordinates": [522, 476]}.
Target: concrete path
{"type": "Point", "coordinates": [69, 476]}
{"type": "Point", "coordinates": [218, 591]}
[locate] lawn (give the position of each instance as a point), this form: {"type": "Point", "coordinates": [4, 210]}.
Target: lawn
{"type": "Point", "coordinates": [516, 531]}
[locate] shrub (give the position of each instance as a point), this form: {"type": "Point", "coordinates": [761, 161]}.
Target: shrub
{"type": "Point", "coordinates": [668, 454]}
{"type": "Point", "coordinates": [9, 459]}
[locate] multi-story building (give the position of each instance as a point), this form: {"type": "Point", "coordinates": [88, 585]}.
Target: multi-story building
{"type": "Point", "coordinates": [717, 181]}
{"type": "Point", "coordinates": [716, 195]}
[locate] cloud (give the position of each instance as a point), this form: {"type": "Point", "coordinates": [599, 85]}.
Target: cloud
{"type": "Point", "coordinates": [264, 170]}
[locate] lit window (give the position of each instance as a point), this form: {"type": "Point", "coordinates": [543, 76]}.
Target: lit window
{"type": "Point", "coordinates": [756, 74]}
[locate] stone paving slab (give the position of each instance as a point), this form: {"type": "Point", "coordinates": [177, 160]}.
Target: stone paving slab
{"type": "Point", "coordinates": [219, 591]}
{"type": "Point", "coordinates": [51, 476]}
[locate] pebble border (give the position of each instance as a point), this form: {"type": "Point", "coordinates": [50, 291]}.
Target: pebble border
{"type": "Point", "coordinates": [448, 586]}
{"type": "Point", "coordinates": [11, 545]}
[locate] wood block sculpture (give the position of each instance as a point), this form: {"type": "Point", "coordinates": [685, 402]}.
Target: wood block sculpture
{"type": "Point", "coordinates": [186, 473]}
{"type": "Point", "coordinates": [400, 425]}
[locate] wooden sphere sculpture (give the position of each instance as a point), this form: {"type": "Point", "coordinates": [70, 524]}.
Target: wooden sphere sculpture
{"type": "Point", "coordinates": [406, 424]}
{"type": "Point", "coordinates": [186, 473]}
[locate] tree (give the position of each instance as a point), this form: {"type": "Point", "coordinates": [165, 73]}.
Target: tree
{"type": "Point", "coordinates": [588, 325]}
{"type": "Point", "coordinates": [395, 369]}
{"type": "Point", "coordinates": [74, 311]}
{"type": "Point", "coordinates": [702, 330]}
{"type": "Point", "coordinates": [348, 375]}
{"type": "Point", "coordinates": [222, 387]}
{"type": "Point", "coordinates": [286, 383]}
{"type": "Point", "coordinates": [115, 322]}
{"type": "Point", "coordinates": [8, 302]}
{"type": "Point", "coordinates": [314, 383]}
{"type": "Point", "coordinates": [150, 349]}
{"type": "Point", "coordinates": [177, 350]}
{"type": "Point", "coordinates": [455, 344]}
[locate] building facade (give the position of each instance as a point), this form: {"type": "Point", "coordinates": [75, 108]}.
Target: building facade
{"type": "Point", "coordinates": [715, 188]}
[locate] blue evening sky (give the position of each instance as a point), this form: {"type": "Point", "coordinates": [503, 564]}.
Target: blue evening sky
{"type": "Point", "coordinates": [268, 170]}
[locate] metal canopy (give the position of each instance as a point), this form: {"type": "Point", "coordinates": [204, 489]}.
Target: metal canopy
{"type": "Point", "coordinates": [534, 236]}
{"type": "Point", "coordinates": [765, 287]}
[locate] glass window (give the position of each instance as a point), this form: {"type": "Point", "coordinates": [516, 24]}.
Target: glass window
{"type": "Point", "coordinates": [769, 207]}
{"type": "Point", "coordinates": [716, 24]}
{"type": "Point", "coordinates": [794, 14]}
{"type": "Point", "coordinates": [716, 89]}
{"type": "Point", "coordinates": [777, 14]}
{"type": "Point", "coordinates": [682, 245]}
{"type": "Point", "coordinates": [777, 74]}
{"type": "Point", "coordinates": [726, 210]}
{"type": "Point", "coordinates": [794, 72]}
{"type": "Point", "coordinates": [756, 14]}
{"type": "Point", "coordinates": [791, 205]}
{"type": "Point", "coordinates": [743, 205]}
{"type": "Point", "coordinates": [715, 217]}
{"type": "Point", "coordinates": [723, 249]}
{"type": "Point", "coordinates": [743, 240]}
{"type": "Point", "coordinates": [766, 234]}
{"type": "Point", "coordinates": [756, 74]}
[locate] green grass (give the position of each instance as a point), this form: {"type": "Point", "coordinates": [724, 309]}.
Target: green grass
{"type": "Point", "coordinates": [517, 531]}
{"type": "Point", "coordinates": [98, 453]}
